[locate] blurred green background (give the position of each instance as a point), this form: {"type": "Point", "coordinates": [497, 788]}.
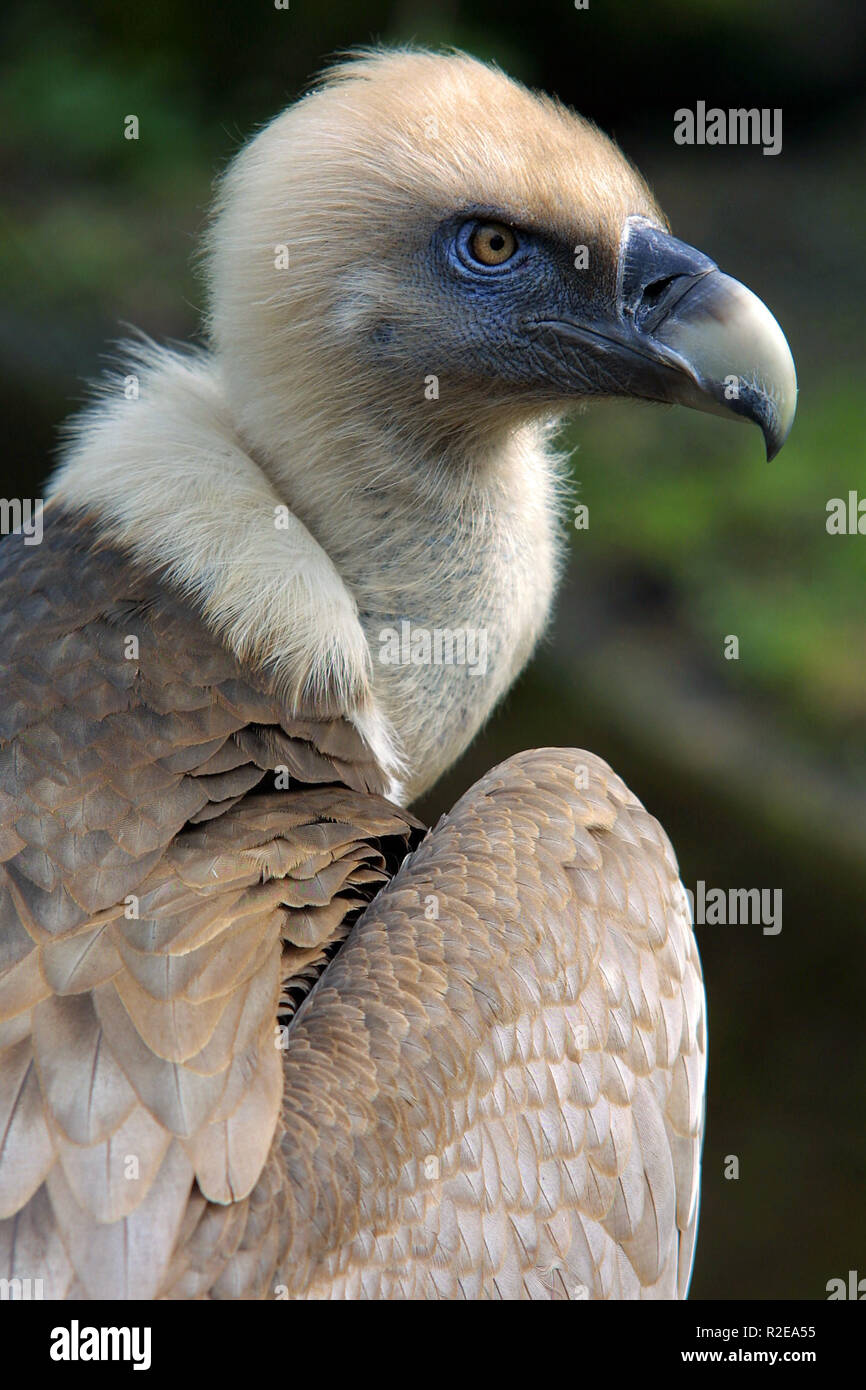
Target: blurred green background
{"type": "Point", "coordinates": [755, 766]}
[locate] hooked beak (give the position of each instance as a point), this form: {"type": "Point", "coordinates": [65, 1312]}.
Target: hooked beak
{"type": "Point", "coordinates": [686, 333]}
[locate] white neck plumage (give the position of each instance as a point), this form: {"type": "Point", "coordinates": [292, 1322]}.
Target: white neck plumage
{"type": "Point", "coordinates": [405, 593]}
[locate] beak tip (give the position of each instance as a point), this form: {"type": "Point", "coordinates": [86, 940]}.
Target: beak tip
{"type": "Point", "coordinates": [725, 335]}
{"type": "Point", "coordinates": [777, 429]}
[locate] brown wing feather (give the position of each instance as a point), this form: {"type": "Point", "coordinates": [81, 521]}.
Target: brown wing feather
{"type": "Point", "coordinates": [156, 891]}
{"type": "Point", "coordinates": [496, 1088]}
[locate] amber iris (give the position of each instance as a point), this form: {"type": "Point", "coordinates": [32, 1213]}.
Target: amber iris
{"type": "Point", "coordinates": [493, 244]}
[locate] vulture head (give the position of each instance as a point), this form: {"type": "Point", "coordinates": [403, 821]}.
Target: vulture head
{"type": "Point", "coordinates": [413, 272]}
{"type": "Point", "coordinates": [426, 245]}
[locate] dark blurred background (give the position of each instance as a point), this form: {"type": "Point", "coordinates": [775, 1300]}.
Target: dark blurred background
{"type": "Point", "coordinates": [755, 766]}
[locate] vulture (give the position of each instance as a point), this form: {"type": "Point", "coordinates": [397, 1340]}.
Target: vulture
{"type": "Point", "coordinates": [261, 1034]}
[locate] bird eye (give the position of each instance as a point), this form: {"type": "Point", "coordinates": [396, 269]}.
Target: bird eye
{"type": "Point", "coordinates": [492, 243]}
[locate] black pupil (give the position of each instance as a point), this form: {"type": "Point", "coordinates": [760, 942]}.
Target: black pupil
{"type": "Point", "coordinates": [497, 241]}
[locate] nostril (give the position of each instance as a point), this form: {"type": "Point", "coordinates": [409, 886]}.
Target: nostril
{"type": "Point", "coordinates": [653, 292]}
